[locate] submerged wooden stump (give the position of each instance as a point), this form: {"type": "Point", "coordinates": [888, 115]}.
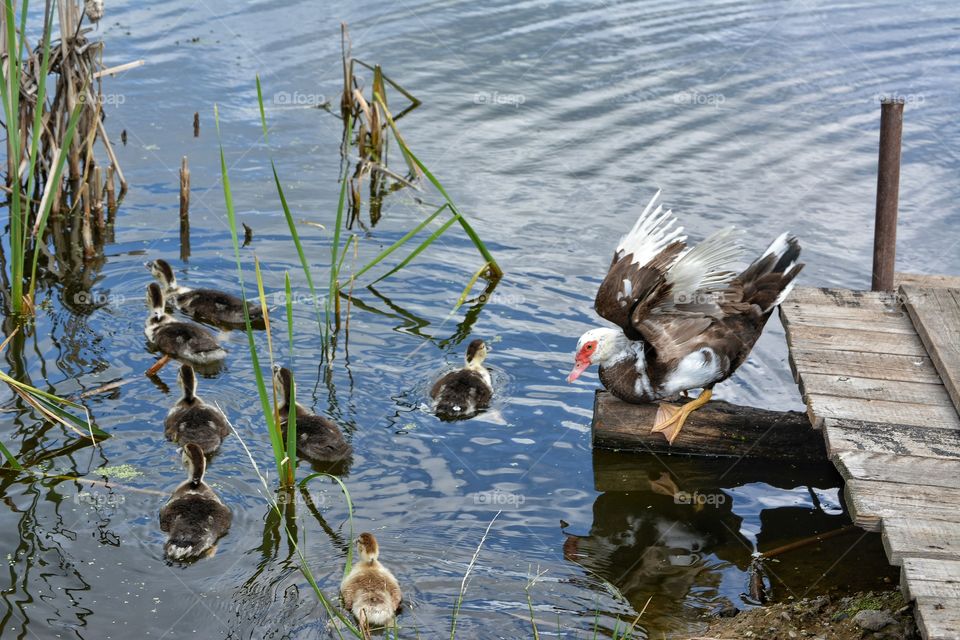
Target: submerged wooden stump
{"type": "Point", "coordinates": [716, 429]}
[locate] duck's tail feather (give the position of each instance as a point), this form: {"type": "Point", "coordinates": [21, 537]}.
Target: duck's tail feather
{"type": "Point", "coordinates": [770, 279]}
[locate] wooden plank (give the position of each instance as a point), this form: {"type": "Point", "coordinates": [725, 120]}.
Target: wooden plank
{"type": "Point", "coordinates": [920, 538]}
{"type": "Point", "coordinates": [929, 578]}
{"type": "Point", "coordinates": [876, 300]}
{"type": "Point", "coordinates": [938, 618]}
{"type": "Point", "coordinates": [899, 439]}
{"type": "Point", "coordinates": [902, 469]}
{"type": "Point", "coordinates": [829, 339]}
{"type": "Point", "coordinates": [870, 501]}
{"type": "Point", "coordinates": [936, 315]}
{"type": "Point", "coordinates": [927, 280]}
{"type": "Point", "coordinates": [822, 407]}
{"type": "Point", "coordinates": [717, 429]}
{"type": "Point", "coordinates": [879, 366]}
{"type": "Point", "coordinates": [846, 386]}
{"type": "Point", "coordinates": [846, 318]}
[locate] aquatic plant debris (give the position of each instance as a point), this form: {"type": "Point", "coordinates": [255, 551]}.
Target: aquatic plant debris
{"type": "Point", "coordinates": [120, 472]}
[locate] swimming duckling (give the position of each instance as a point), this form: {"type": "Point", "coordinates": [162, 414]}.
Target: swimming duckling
{"type": "Point", "coordinates": [318, 438]}
{"type": "Point", "coordinates": [370, 591]}
{"type": "Point", "coordinates": [194, 517]}
{"type": "Point", "coordinates": [205, 305]}
{"type": "Point", "coordinates": [192, 420]}
{"type": "Point", "coordinates": [181, 340]}
{"type": "Point", "coordinates": [462, 393]}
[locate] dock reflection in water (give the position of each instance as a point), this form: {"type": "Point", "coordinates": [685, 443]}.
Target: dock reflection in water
{"type": "Point", "coordinates": [666, 527]}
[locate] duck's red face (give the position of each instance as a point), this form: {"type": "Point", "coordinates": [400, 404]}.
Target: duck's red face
{"type": "Point", "coordinates": [583, 359]}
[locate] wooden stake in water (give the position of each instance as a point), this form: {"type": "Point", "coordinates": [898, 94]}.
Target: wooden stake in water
{"type": "Point", "coordinates": [184, 210]}
{"type": "Point", "coordinates": [888, 194]}
{"type": "Point", "coordinates": [196, 124]}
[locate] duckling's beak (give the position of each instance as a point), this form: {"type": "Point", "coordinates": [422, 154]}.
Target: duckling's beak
{"type": "Point", "coordinates": [148, 264]}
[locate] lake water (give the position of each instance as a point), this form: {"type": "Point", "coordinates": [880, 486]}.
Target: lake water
{"type": "Point", "coordinates": [550, 124]}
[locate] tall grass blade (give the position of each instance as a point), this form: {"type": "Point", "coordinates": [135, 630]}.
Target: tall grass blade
{"type": "Point", "coordinates": [463, 583]}
{"type": "Point", "coordinates": [469, 287]}
{"type": "Point", "coordinates": [12, 459]}
{"type": "Point", "coordinates": [331, 610]}
{"type": "Point", "coordinates": [11, 107]}
{"type": "Point", "coordinates": [496, 272]}
{"type": "Point", "coordinates": [268, 412]}
{"type": "Point", "coordinates": [304, 263]}
{"type": "Point", "coordinates": [423, 245]}
{"type": "Point", "coordinates": [287, 464]}
{"type": "Point", "coordinates": [399, 243]}
{"type": "Point", "coordinates": [50, 189]}
{"type": "Point", "coordinates": [346, 494]}
{"type": "Point", "coordinates": [52, 405]}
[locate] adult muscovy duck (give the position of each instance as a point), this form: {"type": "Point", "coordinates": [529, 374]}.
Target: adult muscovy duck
{"type": "Point", "coordinates": [685, 320]}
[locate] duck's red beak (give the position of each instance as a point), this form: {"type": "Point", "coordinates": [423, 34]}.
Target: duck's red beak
{"type": "Point", "coordinates": [581, 365]}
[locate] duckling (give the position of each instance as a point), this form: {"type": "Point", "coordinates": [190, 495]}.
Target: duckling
{"type": "Point", "coordinates": [192, 420]}
{"type": "Point", "coordinates": [205, 305]}
{"type": "Point", "coordinates": [181, 340]}
{"type": "Point", "coordinates": [462, 393]}
{"type": "Point", "coordinates": [370, 591]}
{"type": "Point", "coordinates": [318, 439]}
{"type": "Point", "coordinates": [194, 517]}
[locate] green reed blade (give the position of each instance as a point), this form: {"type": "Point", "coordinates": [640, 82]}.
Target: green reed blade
{"type": "Point", "coordinates": [304, 263]}
{"type": "Point", "coordinates": [426, 243]}
{"type": "Point", "coordinates": [37, 130]}
{"type": "Point", "coordinates": [469, 287]}
{"type": "Point", "coordinates": [49, 190]}
{"type": "Point", "coordinates": [10, 457]}
{"type": "Point", "coordinates": [346, 493]}
{"type": "Point", "coordinates": [11, 106]}
{"type": "Point", "coordinates": [496, 272]}
{"type": "Point", "coordinates": [399, 243]}
{"type": "Point", "coordinates": [251, 343]}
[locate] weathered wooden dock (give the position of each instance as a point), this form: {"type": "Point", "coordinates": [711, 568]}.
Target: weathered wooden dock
{"type": "Point", "coordinates": [880, 375]}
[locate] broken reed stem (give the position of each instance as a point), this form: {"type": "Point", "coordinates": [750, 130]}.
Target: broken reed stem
{"type": "Point", "coordinates": [184, 190]}
{"type": "Point", "coordinates": [196, 124]}
{"type": "Point", "coordinates": [98, 188]}
{"type": "Point", "coordinates": [184, 209]}
{"type": "Point", "coordinates": [111, 193]}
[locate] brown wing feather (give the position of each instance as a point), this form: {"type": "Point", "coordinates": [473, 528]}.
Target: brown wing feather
{"type": "Point", "coordinates": [672, 335]}
{"type": "Point", "coordinates": [648, 286]}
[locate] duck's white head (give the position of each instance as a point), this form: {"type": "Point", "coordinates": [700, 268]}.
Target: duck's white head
{"type": "Point", "coordinates": [596, 346]}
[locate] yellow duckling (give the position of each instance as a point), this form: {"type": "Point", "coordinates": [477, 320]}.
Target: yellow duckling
{"type": "Point", "coordinates": [370, 591]}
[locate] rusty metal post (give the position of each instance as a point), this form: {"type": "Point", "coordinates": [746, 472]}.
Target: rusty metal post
{"type": "Point", "coordinates": [888, 194]}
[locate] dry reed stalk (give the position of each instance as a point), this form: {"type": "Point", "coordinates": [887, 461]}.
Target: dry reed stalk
{"type": "Point", "coordinates": [184, 209]}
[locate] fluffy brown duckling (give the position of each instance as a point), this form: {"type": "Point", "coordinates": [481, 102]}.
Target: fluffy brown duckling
{"type": "Point", "coordinates": [370, 591]}
{"type": "Point", "coordinates": [191, 420]}
{"type": "Point", "coordinates": [464, 392]}
{"type": "Point", "coordinates": [182, 340]}
{"type": "Point", "coordinates": [205, 305]}
{"type": "Point", "coordinates": [194, 518]}
{"type": "Point", "coordinates": [318, 438]}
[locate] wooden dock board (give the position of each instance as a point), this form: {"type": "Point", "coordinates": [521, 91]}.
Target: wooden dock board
{"type": "Point", "coordinates": [920, 538]}
{"type": "Point", "coordinates": [936, 314]}
{"type": "Point", "coordinates": [880, 375]}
